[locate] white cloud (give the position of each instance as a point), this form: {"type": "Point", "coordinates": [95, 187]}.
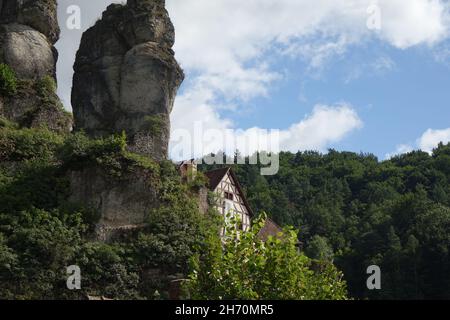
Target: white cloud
{"type": "Point", "coordinates": [226, 41]}
{"type": "Point", "coordinates": [378, 67]}
{"type": "Point", "coordinates": [431, 138]}
{"type": "Point", "coordinates": [401, 149]}
{"type": "Point", "coordinates": [383, 64]}
{"type": "Point", "coordinates": [218, 38]}
{"type": "Point", "coordinates": [324, 126]}
{"type": "Point", "coordinates": [409, 23]}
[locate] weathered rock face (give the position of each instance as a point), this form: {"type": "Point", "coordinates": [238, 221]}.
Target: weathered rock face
{"type": "Point", "coordinates": [32, 108]}
{"type": "Point", "coordinates": [38, 14]}
{"type": "Point", "coordinates": [27, 51]}
{"type": "Point", "coordinates": [28, 30]}
{"type": "Point", "coordinates": [126, 76]}
{"type": "Point", "coordinates": [122, 204]}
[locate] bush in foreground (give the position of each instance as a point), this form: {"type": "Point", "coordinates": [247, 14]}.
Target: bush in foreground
{"type": "Point", "coordinates": [245, 267]}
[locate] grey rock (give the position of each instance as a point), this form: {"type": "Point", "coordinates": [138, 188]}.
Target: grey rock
{"type": "Point", "coordinates": [28, 30]}
{"type": "Point", "coordinates": [121, 203]}
{"type": "Point", "coordinates": [26, 51]}
{"type": "Point", "coordinates": [126, 75]}
{"type": "Point", "coordinates": [41, 15]}
{"type": "Point", "coordinates": [30, 108]}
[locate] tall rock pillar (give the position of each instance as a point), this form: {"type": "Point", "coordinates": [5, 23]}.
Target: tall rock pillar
{"type": "Point", "coordinates": [126, 76]}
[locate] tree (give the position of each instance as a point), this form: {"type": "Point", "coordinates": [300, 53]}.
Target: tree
{"type": "Point", "coordinates": [245, 267]}
{"type": "Point", "coordinates": [8, 80]}
{"type": "Point", "coordinates": [319, 249]}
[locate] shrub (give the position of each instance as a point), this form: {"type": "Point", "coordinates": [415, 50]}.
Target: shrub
{"type": "Point", "coordinates": [5, 123]}
{"type": "Point", "coordinates": [154, 124]}
{"type": "Point", "coordinates": [27, 144]}
{"type": "Point", "coordinates": [245, 267]}
{"type": "Point", "coordinates": [79, 149]}
{"type": "Point", "coordinates": [8, 80]}
{"type": "Point", "coordinates": [46, 86]}
{"type": "Point", "coordinates": [40, 246]}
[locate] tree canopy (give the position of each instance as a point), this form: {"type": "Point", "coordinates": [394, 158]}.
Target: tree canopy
{"type": "Point", "coordinates": [359, 211]}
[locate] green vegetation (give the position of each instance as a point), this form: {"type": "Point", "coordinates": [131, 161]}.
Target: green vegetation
{"type": "Point", "coordinates": [27, 144]}
{"type": "Point", "coordinates": [46, 86]}
{"type": "Point", "coordinates": [41, 233]}
{"type": "Point", "coordinates": [244, 267]}
{"type": "Point", "coordinates": [154, 124]}
{"type": "Point", "coordinates": [359, 211]}
{"type": "Point", "coordinates": [8, 80]}
{"type": "Point", "coordinates": [351, 209]}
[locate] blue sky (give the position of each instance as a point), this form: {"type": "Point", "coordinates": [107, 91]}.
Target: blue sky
{"type": "Point", "coordinates": [354, 75]}
{"type": "Point", "coordinates": [397, 105]}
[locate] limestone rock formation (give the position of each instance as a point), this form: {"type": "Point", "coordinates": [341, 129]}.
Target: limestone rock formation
{"type": "Point", "coordinates": [126, 76]}
{"type": "Point", "coordinates": [38, 14]}
{"type": "Point", "coordinates": [122, 204]}
{"type": "Point", "coordinates": [28, 31]}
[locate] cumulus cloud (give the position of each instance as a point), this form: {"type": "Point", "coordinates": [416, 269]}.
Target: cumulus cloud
{"type": "Point", "coordinates": [326, 125]}
{"type": "Point", "coordinates": [218, 38]}
{"type": "Point", "coordinates": [378, 67]}
{"type": "Point", "coordinates": [429, 140]}
{"type": "Point", "coordinates": [196, 136]}
{"type": "Point", "coordinates": [227, 43]}
{"type": "Point", "coordinates": [409, 23]}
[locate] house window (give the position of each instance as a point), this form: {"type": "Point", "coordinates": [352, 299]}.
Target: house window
{"type": "Point", "coordinates": [228, 208]}
{"type": "Point", "coordinates": [229, 196]}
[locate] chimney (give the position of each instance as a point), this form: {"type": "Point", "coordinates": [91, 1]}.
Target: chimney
{"type": "Point", "coordinates": [188, 170]}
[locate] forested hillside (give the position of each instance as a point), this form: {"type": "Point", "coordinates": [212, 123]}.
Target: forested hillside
{"type": "Point", "coordinates": [359, 211]}
{"type": "Point", "coordinates": [43, 231]}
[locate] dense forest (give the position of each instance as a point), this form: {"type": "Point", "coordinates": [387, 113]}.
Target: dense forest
{"type": "Point", "coordinates": [358, 211]}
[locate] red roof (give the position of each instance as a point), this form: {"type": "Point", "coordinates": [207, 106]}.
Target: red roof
{"type": "Point", "coordinates": [270, 229]}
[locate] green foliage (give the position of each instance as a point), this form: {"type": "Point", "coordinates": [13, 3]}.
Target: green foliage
{"type": "Point", "coordinates": [39, 245]}
{"type": "Point", "coordinates": [319, 249]}
{"type": "Point", "coordinates": [27, 144]}
{"type": "Point", "coordinates": [8, 80]}
{"type": "Point", "coordinates": [46, 91]}
{"type": "Point", "coordinates": [108, 271]}
{"type": "Point", "coordinates": [196, 180]}
{"type": "Point", "coordinates": [41, 232]}
{"type": "Point", "coordinates": [5, 123]}
{"type": "Point", "coordinates": [80, 151]}
{"type": "Point", "coordinates": [367, 212]}
{"type": "Point", "coordinates": [46, 86]}
{"type": "Point", "coordinates": [154, 124]}
{"type": "Point", "coordinates": [350, 208]}
{"type": "Point", "coordinates": [79, 147]}
{"type": "Point", "coordinates": [245, 267]}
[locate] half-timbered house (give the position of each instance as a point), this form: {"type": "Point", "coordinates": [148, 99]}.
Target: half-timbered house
{"type": "Point", "coordinates": [229, 197]}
